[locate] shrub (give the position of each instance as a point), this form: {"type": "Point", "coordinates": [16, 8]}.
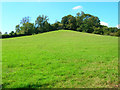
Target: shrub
{"type": "Point", "coordinates": [112, 34]}
{"type": "Point", "coordinates": [117, 33]}
{"type": "Point", "coordinates": [79, 29]}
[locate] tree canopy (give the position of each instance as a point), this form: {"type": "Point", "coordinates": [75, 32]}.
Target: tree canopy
{"type": "Point", "coordinates": [81, 22]}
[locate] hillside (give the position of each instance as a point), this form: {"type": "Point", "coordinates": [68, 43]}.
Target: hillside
{"type": "Point", "coordinates": [60, 59]}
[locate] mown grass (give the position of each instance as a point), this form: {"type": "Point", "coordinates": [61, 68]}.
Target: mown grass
{"type": "Point", "coordinates": [60, 59]}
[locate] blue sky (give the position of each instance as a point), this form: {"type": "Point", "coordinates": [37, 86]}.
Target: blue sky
{"type": "Point", "coordinates": [13, 12]}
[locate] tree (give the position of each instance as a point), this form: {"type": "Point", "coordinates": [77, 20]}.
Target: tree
{"type": "Point", "coordinates": [24, 27]}
{"type": "Point", "coordinates": [56, 25]}
{"type": "Point", "coordinates": [27, 28]}
{"type": "Point", "coordinates": [6, 33]}
{"type": "Point", "coordinates": [91, 21]}
{"type": "Point", "coordinates": [82, 13]}
{"type": "Point", "coordinates": [0, 33]}
{"type": "Point", "coordinates": [40, 23]}
{"type": "Point", "coordinates": [105, 29]}
{"type": "Point", "coordinates": [47, 27]}
{"type": "Point", "coordinates": [30, 28]}
{"type": "Point", "coordinates": [79, 20]}
{"type": "Point", "coordinates": [17, 28]}
{"type": "Point", "coordinates": [117, 33]}
{"type": "Point", "coordinates": [80, 28]}
{"type": "Point", "coordinates": [11, 33]}
{"type": "Point", "coordinates": [85, 22]}
{"type": "Point", "coordinates": [69, 22]}
{"type": "Point", "coordinates": [98, 30]}
{"type": "Point", "coordinates": [113, 29]}
{"type": "Point", "coordinates": [25, 20]}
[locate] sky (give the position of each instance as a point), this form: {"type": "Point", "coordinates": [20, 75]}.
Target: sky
{"type": "Point", "coordinates": [13, 12]}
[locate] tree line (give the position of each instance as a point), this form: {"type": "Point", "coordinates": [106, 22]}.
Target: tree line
{"type": "Point", "coordinates": [81, 22]}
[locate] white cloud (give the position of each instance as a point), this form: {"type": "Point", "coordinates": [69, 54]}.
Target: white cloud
{"type": "Point", "coordinates": [118, 26]}
{"type": "Point", "coordinates": [77, 7]}
{"type": "Point", "coordinates": [104, 23]}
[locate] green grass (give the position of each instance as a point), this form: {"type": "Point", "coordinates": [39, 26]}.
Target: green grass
{"type": "Point", "coordinates": [60, 59]}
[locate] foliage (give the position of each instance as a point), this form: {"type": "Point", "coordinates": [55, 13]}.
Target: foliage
{"type": "Point", "coordinates": [25, 20]}
{"type": "Point", "coordinates": [17, 28]}
{"type": "Point", "coordinates": [98, 30]}
{"type": "Point", "coordinates": [81, 22]}
{"type": "Point", "coordinates": [13, 35]}
{"type": "Point", "coordinates": [69, 22]}
{"type": "Point", "coordinates": [117, 33]}
{"type": "Point", "coordinates": [27, 28]}
{"type": "Point", "coordinates": [57, 25]}
{"type": "Point", "coordinates": [41, 24]}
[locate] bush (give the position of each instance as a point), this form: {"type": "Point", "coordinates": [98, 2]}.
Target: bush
{"type": "Point", "coordinates": [5, 36]}
{"type": "Point", "coordinates": [79, 29]}
{"type": "Point", "coordinates": [14, 35]}
{"type": "Point", "coordinates": [117, 33]}
{"type": "Point", "coordinates": [112, 34]}
{"type": "Point", "coordinates": [96, 30]}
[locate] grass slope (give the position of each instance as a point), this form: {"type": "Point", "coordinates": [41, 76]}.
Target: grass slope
{"type": "Point", "coordinates": [60, 59]}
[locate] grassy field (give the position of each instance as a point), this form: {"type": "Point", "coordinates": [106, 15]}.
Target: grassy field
{"type": "Point", "coordinates": [60, 59]}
